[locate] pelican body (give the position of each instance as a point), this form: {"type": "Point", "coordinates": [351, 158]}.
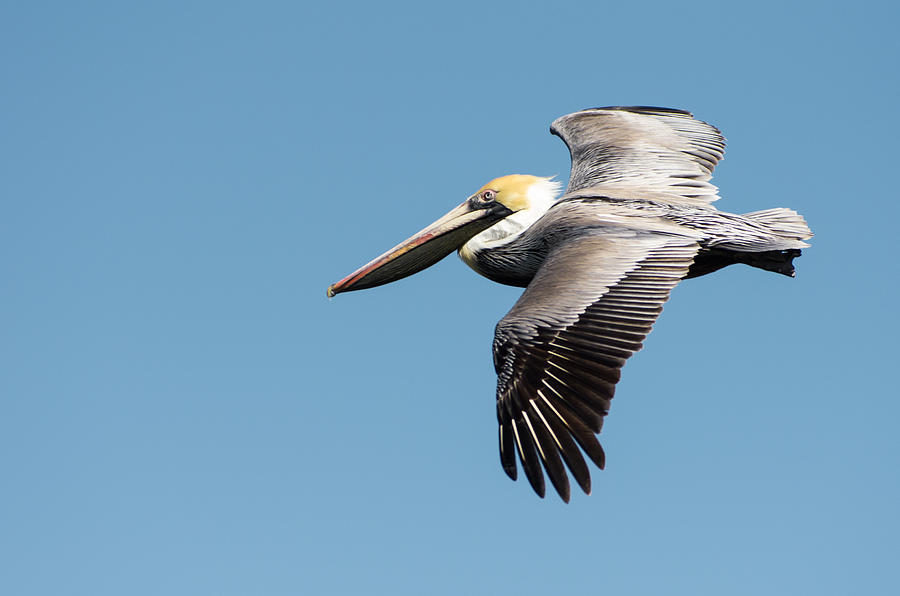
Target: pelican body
{"type": "Point", "coordinates": [597, 262]}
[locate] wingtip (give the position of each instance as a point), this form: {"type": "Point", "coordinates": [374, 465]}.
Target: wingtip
{"type": "Point", "coordinates": [647, 110]}
{"type": "Point", "coordinates": [586, 485]}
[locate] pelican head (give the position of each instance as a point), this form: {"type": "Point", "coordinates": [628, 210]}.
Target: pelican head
{"type": "Point", "coordinates": [503, 207]}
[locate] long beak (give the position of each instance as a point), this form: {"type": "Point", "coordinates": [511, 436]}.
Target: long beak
{"type": "Point", "coordinates": [424, 249]}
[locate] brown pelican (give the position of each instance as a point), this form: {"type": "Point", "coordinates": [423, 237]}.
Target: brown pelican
{"type": "Point", "coordinates": [597, 264]}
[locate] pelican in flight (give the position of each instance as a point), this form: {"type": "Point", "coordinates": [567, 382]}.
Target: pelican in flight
{"type": "Point", "coordinates": [597, 263]}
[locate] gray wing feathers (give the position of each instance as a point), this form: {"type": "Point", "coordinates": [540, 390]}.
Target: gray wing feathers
{"type": "Point", "coordinates": [657, 150]}
{"type": "Point", "coordinates": [559, 351]}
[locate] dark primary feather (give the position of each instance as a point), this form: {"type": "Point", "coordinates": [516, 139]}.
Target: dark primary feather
{"type": "Point", "coordinates": [559, 351]}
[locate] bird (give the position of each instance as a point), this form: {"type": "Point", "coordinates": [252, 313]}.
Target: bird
{"type": "Point", "coordinates": [597, 263]}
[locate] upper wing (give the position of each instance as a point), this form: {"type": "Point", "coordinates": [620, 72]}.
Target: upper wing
{"type": "Point", "coordinates": [658, 150]}
{"type": "Point", "coordinates": [559, 351]}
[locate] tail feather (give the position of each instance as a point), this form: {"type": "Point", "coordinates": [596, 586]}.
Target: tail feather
{"type": "Point", "coordinates": [783, 222]}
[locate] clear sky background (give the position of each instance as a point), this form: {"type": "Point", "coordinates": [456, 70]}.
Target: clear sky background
{"type": "Point", "coordinates": [182, 411]}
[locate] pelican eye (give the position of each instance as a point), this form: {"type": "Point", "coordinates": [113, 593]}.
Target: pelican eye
{"type": "Point", "coordinates": [488, 196]}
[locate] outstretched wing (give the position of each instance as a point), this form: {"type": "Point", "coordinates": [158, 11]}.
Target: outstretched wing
{"type": "Point", "coordinates": [641, 149]}
{"type": "Point", "coordinates": [559, 351]}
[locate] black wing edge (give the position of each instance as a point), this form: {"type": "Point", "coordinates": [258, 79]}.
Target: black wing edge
{"type": "Point", "coordinates": [649, 110]}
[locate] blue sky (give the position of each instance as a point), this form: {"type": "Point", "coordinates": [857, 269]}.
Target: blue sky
{"type": "Point", "coordinates": [182, 411]}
